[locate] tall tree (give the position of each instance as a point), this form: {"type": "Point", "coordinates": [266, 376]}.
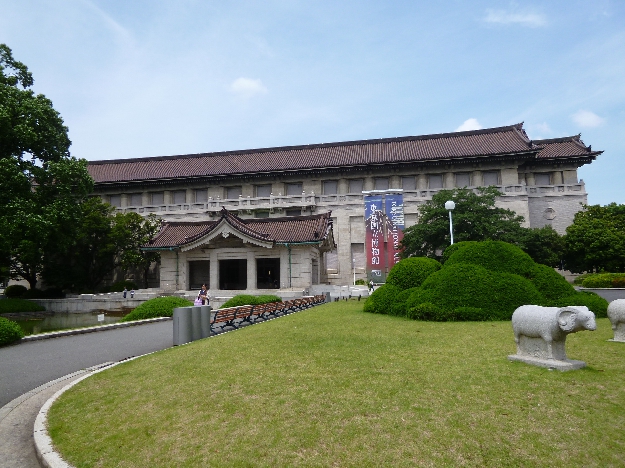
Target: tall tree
{"type": "Point", "coordinates": [596, 240]}
{"type": "Point", "coordinates": [41, 185]}
{"type": "Point", "coordinates": [475, 218]}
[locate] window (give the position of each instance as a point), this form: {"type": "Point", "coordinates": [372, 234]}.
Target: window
{"type": "Point", "coordinates": [178, 197]}
{"type": "Point", "coordinates": [294, 212]}
{"type": "Point", "coordinates": [330, 187]}
{"type": "Point", "coordinates": [261, 214]}
{"type": "Point", "coordinates": [157, 198]}
{"type": "Point", "coordinates": [359, 259]}
{"type": "Point", "coordinates": [355, 186]}
{"type": "Point", "coordinates": [267, 273]}
{"type": "Point", "coordinates": [381, 183]}
{"type": "Point", "coordinates": [201, 196]}
{"type": "Point", "coordinates": [294, 188]}
{"type": "Point", "coordinates": [409, 183]}
{"type": "Point", "coordinates": [332, 262]}
{"type": "Point", "coordinates": [463, 179]}
{"type": "Point", "coordinates": [199, 273]}
{"type": "Point", "coordinates": [135, 199]}
{"type": "Point", "coordinates": [233, 192]}
{"type": "Point", "coordinates": [491, 178]}
{"type": "Point", "coordinates": [435, 181]}
{"type": "Point", "coordinates": [115, 200]}
{"type": "Point", "coordinates": [263, 190]}
{"type": "Point", "coordinates": [543, 178]}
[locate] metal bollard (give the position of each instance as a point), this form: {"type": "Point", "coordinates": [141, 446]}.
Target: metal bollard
{"type": "Point", "coordinates": [328, 297]}
{"type": "Point", "coordinates": [205, 318]}
{"type": "Point", "coordinates": [182, 325]}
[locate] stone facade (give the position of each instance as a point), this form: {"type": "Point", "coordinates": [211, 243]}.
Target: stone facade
{"type": "Point", "coordinates": [538, 181]}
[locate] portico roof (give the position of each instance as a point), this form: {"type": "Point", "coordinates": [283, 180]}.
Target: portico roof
{"type": "Point", "coordinates": [265, 232]}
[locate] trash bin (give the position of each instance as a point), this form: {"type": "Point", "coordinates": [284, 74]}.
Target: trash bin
{"type": "Point", "coordinates": [182, 325]}
{"type": "Point", "coordinates": [205, 318]}
{"type": "Point", "coordinates": [328, 297]}
{"type": "Point", "coordinates": [196, 323]}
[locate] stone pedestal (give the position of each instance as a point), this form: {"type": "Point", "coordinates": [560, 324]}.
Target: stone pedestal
{"type": "Point", "coordinates": [535, 351]}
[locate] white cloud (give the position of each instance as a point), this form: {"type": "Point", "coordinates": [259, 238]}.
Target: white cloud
{"type": "Point", "coordinates": [247, 87]}
{"type": "Point", "coordinates": [530, 20]}
{"type": "Point", "coordinates": [469, 124]}
{"type": "Point", "coordinates": [585, 118]}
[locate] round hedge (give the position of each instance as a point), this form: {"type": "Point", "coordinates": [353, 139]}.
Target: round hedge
{"type": "Point", "coordinates": [19, 305]}
{"type": "Point", "coordinates": [157, 307]}
{"type": "Point", "coordinates": [15, 291]}
{"type": "Point", "coordinates": [494, 256]}
{"type": "Point", "coordinates": [453, 248]}
{"type": "Point", "coordinates": [550, 283]}
{"type": "Point", "coordinates": [466, 285]}
{"type": "Point", "coordinates": [411, 272]}
{"type": "Point", "coordinates": [400, 302]}
{"type": "Point", "coordinates": [247, 299]}
{"type": "Point", "coordinates": [382, 299]}
{"type": "Point", "coordinates": [9, 331]}
{"type": "Point", "coordinates": [593, 301]}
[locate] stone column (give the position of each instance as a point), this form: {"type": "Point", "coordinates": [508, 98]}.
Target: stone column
{"type": "Point", "coordinates": [557, 178]}
{"type": "Point", "coordinates": [213, 271]}
{"type": "Point", "coordinates": [476, 179]}
{"type": "Point", "coordinates": [422, 182]}
{"type": "Point", "coordinates": [251, 270]}
{"type": "Point", "coordinates": [448, 180]}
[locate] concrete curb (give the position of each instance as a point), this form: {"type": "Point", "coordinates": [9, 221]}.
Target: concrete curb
{"type": "Point", "coordinates": [82, 331]}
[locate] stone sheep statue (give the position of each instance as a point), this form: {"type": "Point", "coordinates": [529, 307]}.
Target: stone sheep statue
{"type": "Point", "coordinates": [540, 334]}
{"type": "Point", "coordinates": [616, 314]}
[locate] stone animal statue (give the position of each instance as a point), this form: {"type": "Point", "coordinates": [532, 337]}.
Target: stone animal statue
{"type": "Point", "coordinates": [540, 332]}
{"type": "Point", "coordinates": [616, 314]}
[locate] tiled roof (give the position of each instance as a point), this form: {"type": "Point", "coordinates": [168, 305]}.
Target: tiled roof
{"type": "Point", "coordinates": [564, 147]}
{"type": "Point", "coordinates": [292, 229]}
{"type": "Point", "coordinates": [493, 141]}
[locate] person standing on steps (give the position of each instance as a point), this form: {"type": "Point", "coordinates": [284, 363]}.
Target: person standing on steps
{"type": "Point", "coordinates": [203, 295]}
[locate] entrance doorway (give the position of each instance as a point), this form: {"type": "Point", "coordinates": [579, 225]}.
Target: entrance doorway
{"type": "Point", "coordinates": [233, 274]}
{"type": "Point", "coordinates": [199, 273]}
{"type": "Point", "coordinates": [268, 273]}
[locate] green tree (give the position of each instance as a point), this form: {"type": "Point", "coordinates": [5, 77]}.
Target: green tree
{"type": "Point", "coordinates": [544, 245]}
{"type": "Point", "coordinates": [596, 240]}
{"type": "Point", "coordinates": [475, 218]}
{"type": "Point", "coordinates": [137, 231]}
{"type": "Point", "coordinates": [41, 185]}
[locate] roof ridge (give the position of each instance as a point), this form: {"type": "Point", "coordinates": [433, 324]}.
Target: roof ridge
{"type": "Point", "coordinates": [546, 141]}
{"type": "Point", "coordinates": [434, 136]}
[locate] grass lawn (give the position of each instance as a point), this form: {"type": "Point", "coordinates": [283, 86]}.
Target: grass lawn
{"type": "Point", "coordinates": [333, 386]}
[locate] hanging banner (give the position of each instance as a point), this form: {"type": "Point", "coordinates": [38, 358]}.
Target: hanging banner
{"type": "Point", "coordinates": [374, 239]}
{"type": "Point", "coordinates": [394, 204]}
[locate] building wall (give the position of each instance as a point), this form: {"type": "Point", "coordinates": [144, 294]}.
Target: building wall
{"type": "Point", "coordinates": [554, 201]}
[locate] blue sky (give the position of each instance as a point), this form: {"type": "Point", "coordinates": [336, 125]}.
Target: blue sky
{"type": "Point", "coordinates": [152, 78]}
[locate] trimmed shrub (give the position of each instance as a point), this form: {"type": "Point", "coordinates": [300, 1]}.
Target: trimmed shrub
{"type": "Point", "coordinates": [382, 299]}
{"type": "Point", "coordinates": [399, 307]}
{"type": "Point", "coordinates": [580, 279]}
{"type": "Point", "coordinates": [494, 256]}
{"type": "Point", "coordinates": [618, 282]}
{"type": "Point", "coordinates": [157, 307]}
{"type": "Point", "coordinates": [247, 299]}
{"type": "Point", "coordinates": [411, 272]}
{"type": "Point", "coordinates": [50, 293]}
{"type": "Point", "coordinates": [472, 314]}
{"type": "Point", "coordinates": [449, 251]}
{"type": "Point", "coordinates": [9, 331]}
{"type": "Point", "coordinates": [593, 301]}
{"type": "Point", "coordinates": [466, 285]}
{"type": "Point", "coordinates": [361, 282]}
{"type": "Point", "coordinates": [550, 283]}
{"type": "Point", "coordinates": [427, 311]}
{"type": "Point", "coordinates": [602, 280]}
{"type": "Point", "coordinates": [15, 290]}
{"type": "Point", "coordinates": [8, 306]}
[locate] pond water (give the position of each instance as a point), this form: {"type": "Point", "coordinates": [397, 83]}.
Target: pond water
{"type": "Point", "coordinates": [42, 322]}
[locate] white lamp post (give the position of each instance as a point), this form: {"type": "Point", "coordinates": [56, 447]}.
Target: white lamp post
{"type": "Point", "coordinates": [449, 206]}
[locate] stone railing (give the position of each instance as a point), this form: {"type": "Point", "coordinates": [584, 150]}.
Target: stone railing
{"type": "Point", "coordinates": [311, 201]}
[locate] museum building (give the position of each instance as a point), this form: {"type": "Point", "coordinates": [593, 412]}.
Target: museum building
{"type": "Point", "coordinates": [293, 216]}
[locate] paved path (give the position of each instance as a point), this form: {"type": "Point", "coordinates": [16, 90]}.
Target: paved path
{"type": "Point", "coordinates": [26, 369]}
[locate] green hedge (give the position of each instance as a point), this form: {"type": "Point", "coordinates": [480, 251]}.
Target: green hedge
{"type": "Point", "coordinates": [8, 306]}
{"type": "Point", "coordinates": [550, 283]}
{"type": "Point", "coordinates": [593, 301]}
{"type": "Point", "coordinates": [157, 307]}
{"type": "Point", "coordinates": [603, 280]}
{"type": "Point", "coordinates": [50, 293]}
{"type": "Point", "coordinates": [9, 331]}
{"type": "Point", "coordinates": [15, 291]}
{"type": "Point", "coordinates": [494, 256]}
{"type": "Point", "coordinates": [382, 299]}
{"type": "Point", "coordinates": [453, 248]}
{"type": "Point", "coordinates": [246, 299]}
{"type": "Point", "coordinates": [411, 272]}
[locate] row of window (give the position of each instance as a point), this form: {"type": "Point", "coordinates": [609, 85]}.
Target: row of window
{"type": "Point", "coordinates": [329, 187]}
